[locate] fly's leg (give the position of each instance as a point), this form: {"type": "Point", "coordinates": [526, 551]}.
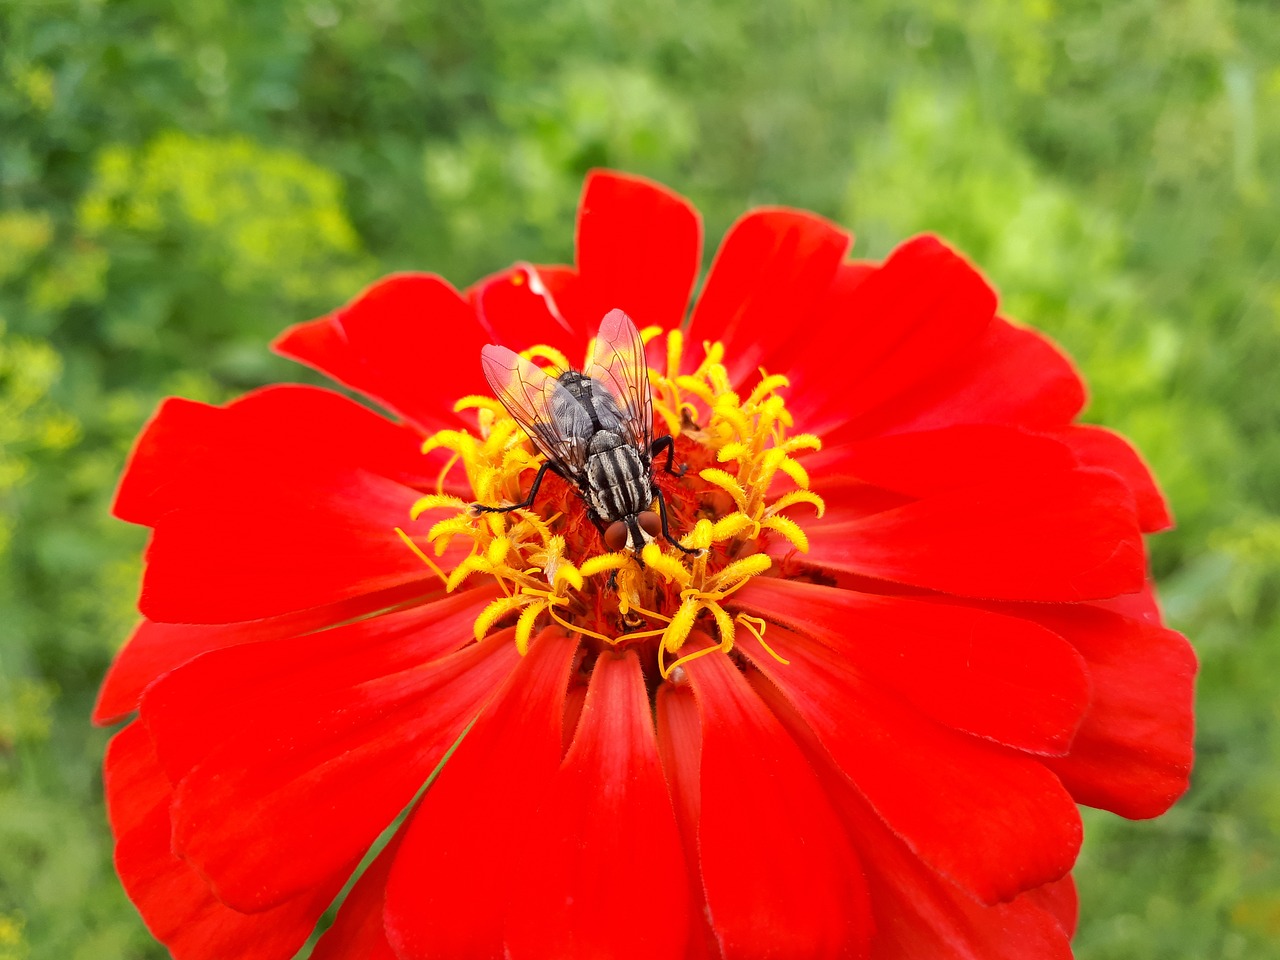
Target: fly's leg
{"type": "Point", "coordinates": [666, 527]}
{"type": "Point", "coordinates": [478, 508]}
{"type": "Point", "coordinates": [667, 443]}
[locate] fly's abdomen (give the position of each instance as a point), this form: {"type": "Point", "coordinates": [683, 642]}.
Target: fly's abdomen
{"type": "Point", "coordinates": [618, 481]}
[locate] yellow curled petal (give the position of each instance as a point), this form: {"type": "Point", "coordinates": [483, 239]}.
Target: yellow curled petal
{"type": "Point", "coordinates": [726, 482]}
{"type": "Point", "coordinates": [713, 355]}
{"type": "Point", "coordinates": [729, 526]}
{"type": "Point", "coordinates": [495, 611]}
{"type": "Point", "coordinates": [743, 569]}
{"type": "Point", "coordinates": [719, 378]}
{"type": "Point", "coordinates": [457, 440]}
{"type": "Point", "coordinates": [497, 551]}
{"type": "Point", "coordinates": [463, 570]}
{"type": "Point", "coordinates": [681, 626]}
{"type": "Point", "coordinates": [766, 386]}
{"type": "Point", "coordinates": [697, 388]}
{"type": "Point", "coordinates": [602, 562]}
{"type": "Point", "coordinates": [436, 502]}
{"type": "Point", "coordinates": [727, 410]}
{"type": "Point", "coordinates": [700, 537]}
{"type": "Point", "coordinates": [675, 350]}
{"type": "Point", "coordinates": [524, 626]}
{"type": "Point", "coordinates": [769, 463]}
{"type": "Point", "coordinates": [540, 351]}
{"type": "Point", "coordinates": [503, 433]}
{"type": "Point", "coordinates": [477, 402]}
{"type": "Point", "coordinates": [789, 529]}
{"type": "Point", "coordinates": [537, 523]}
{"type": "Point", "coordinates": [450, 527]}
{"type": "Point", "coordinates": [668, 567]}
{"type": "Point", "coordinates": [768, 414]}
{"type": "Point", "coordinates": [724, 624]}
{"type": "Point", "coordinates": [802, 441]}
{"type": "Point", "coordinates": [672, 420]}
{"type": "Point", "coordinates": [794, 497]}
{"type": "Point", "coordinates": [797, 473]}
{"type": "Point", "coordinates": [566, 572]}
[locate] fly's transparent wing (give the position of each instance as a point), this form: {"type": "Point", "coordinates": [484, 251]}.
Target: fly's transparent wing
{"type": "Point", "coordinates": [557, 423]}
{"type": "Point", "coordinates": [618, 362]}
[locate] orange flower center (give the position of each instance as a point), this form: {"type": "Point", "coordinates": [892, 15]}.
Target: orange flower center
{"type": "Point", "coordinates": [550, 560]}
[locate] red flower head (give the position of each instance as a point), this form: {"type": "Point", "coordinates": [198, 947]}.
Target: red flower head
{"type": "Point", "coordinates": [904, 629]}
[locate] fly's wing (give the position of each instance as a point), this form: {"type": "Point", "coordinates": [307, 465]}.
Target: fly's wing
{"type": "Point", "coordinates": [556, 423]}
{"type": "Point", "coordinates": [618, 362]}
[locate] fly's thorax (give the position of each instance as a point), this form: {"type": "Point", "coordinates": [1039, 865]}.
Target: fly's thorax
{"type": "Point", "coordinates": [599, 404]}
{"type": "Point", "coordinates": [619, 483]}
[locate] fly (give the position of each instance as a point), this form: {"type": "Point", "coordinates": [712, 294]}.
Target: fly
{"type": "Point", "coordinates": [594, 428]}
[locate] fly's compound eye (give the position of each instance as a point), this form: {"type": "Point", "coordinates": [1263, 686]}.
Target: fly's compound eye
{"type": "Point", "coordinates": [650, 523]}
{"type": "Point", "coordinates": [615, 538]}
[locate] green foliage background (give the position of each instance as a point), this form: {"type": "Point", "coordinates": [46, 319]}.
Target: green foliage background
{"type": "Point", "coordinates": [180, 180]}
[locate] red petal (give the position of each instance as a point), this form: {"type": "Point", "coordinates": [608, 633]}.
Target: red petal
{"type": "Point", "coordinates": [409, 342]}
{"type": "Point", "coordinates": [998, 677]}
{"type": "Point", "coordinates": [971, 454]}
{"type": "Point", "coordinates": [179, 910]}
{"type": "Point", "coordinates": [1060, 900]}
{"type": "Point", "coordinates": [279, 546]}
{"type": "Point", "coordinates": [450, 885]}
{"type": "Point", "coordinates": [314, 761]}
{"type": "Point", "coordinates": [1071, 535]}
{"type": "Point", "coordinates": [1006, 824]}
{"type": "Point", "coordinates": [572, 300]}
{"type": "Point", "coordinates": [1142, 605]}
{"type": "Point", "coordinates": [358, 931]}
{"type": "Point", "coordinates": [1096, 447]}
{"type": "Point", "coordinates": [769, 276]}
{"type": "Point", "coordinates": [1133, 752]}
{"type": "Point", "coordinates": [156, 648]}
{"type": "Point", "coordinates": [680, 746]}
{"type": "Point", "coordinates": [919, 914]}
{"type": "Point", "coordinates": [897, 329]}
{"type": "Point", "coordinates": [518, 310]}
{"type": "Point", "coordinates": [234, 684]}
{"type": "Point", "coordinates": [639, 249]}
{"type": "Point", "coordinates": [187, 448]}
{"type": "Point", "coordinates": [780, 876]}
{"type": "Point", "coordinates": [605, 827]}
{"type": "Point", "coordinates": [269, 515]}
{"type": "Point", "coordinates": [1011, 375]}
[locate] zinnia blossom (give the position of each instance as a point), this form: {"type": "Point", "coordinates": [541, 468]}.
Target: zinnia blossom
{"type": "Point", "coordinates": [919, 631]}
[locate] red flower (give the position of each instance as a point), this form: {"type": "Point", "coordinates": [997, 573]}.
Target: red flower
{"type": "Point", "coordinates": [857, 725]}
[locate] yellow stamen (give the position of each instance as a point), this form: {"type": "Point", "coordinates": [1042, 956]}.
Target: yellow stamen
{"type": "Point", "coordinates": [524, 626]}
{"type": "Point", "coordinates": [789, 529]}
{"type": "Point", "coordinates": [541, 351]}
{"type": "Point", "coordinates": [668, 669]}
{"type": "Point", "coordinates": [495, 611]}
{"type": "Point", "coordinates": [475, 402]}
{"type": "Point", "coordinates": [422, 556]}
{"type": "Point", "coordinates": [756, 627]}
{"type": "Point", "coordinates": [664, 564]}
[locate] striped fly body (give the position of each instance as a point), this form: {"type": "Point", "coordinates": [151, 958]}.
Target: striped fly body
{"type": "Point", "coordinates": [594, 428]}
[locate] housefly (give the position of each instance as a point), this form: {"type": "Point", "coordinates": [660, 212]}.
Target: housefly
{"type": "Point", "coordinates": [594, 428]}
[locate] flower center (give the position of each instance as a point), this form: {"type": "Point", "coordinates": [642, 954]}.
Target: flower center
{"type": "Point", "coordinates": [551, 562]}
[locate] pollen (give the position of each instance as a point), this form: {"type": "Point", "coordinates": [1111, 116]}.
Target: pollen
{"type": "Point", "coordinates": [733, 508]}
